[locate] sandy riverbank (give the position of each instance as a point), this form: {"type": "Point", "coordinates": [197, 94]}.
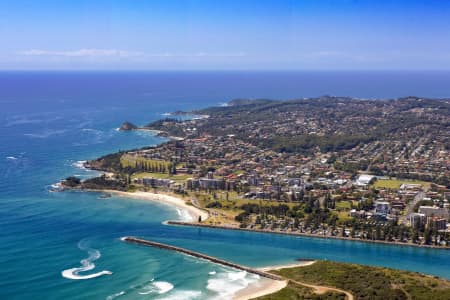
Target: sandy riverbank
{"type": "Point", "coordinates": [179, 203]}
{"type": "Point", "coordinates": [293, 265]}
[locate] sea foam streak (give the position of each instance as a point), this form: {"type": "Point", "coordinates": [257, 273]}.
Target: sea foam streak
{"type": "Point", "coordinates": [86, 265]}
{"type": "Point", "coordinates": [157, 287]}
{"type": "Point", "coordinates": [114, 296]}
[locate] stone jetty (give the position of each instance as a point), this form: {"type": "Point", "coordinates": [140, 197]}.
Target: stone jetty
{"type": "Point", "coordinates": [203, 256]}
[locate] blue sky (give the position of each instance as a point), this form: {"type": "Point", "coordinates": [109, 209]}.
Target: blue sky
{"type": "Point", "coordinates": [225, 35]}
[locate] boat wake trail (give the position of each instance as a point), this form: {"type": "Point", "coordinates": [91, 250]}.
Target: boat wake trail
{"type": "Point", "coordinates": [87, 264]}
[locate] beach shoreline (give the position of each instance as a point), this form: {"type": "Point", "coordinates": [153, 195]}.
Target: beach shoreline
{"type": "Point", "coordinates": [174, 202]}
{"type": "Point", "coordinates": [267, 286]}
{"type": "Point", "coordinates": [262, 287]}
{"type": "Point", "coordinates": [170, 200]}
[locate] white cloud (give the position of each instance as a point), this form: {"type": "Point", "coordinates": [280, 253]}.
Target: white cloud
{"type": "Point", "coordinates": [81, 53]}
{"type": "Point", "coordinates": [198, 54]}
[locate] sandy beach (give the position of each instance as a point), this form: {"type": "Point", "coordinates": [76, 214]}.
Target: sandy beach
{"type": "Point", "coordinates": [267, 286]}
{"type": "Point", "coordinates": [264, 286]}
{"type": "Point", "coordinates": [193, 211]}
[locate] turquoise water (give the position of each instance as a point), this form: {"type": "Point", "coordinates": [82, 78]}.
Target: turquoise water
{"type": "Point", "coordinates": [51, 121]}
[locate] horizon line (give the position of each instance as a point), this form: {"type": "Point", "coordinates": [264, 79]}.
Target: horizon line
{"type": "Point", "coordinates": [219, 70]}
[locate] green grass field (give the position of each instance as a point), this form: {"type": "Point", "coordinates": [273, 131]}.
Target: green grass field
{"type": "Point", "coordinates": [396, 183]}
{"type": "Point", "coordinates": [343, 205]}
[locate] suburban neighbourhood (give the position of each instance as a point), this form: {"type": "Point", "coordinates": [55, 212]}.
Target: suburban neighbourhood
{"type": "Point", "coordinates": [333, 167]}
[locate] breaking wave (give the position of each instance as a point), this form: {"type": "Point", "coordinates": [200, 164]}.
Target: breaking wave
{"type": "Point", "coordinates": [157, 287]}
{"type": "Point", "coordinates": [79, 164]}
{"type": "Point", "coordinates": [228, 283]}
{"type": "Point", "coordinates": [150, 287]}
{"type": "Point", "coordinates": [182, 295]}
{"type": "Point", "coordinates": [184, 215]}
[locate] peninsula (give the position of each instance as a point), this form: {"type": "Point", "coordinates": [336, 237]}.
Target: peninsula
{"type": "Point", "coordinates": [372, 170]}
{"type": "Point", "coordinates": [331, 167]}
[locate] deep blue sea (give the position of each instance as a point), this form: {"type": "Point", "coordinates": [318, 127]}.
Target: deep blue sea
{"type": "Point", "coordinates": [49, 121]}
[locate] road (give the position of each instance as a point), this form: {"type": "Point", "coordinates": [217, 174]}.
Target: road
{"type": "Point", "coordinates": [320, 289]}
{"type": "Point", "coordinates": [410, 207]}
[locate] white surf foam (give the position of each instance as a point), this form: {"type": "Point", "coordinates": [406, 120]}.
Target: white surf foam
{"type": "Point", "coordinates": [79, 164]}
{"type": "Point", "coordinates": [212, 273]}
{"type": "Point", "coordinates": [226, 284]}
{"type": "Point", "coordinates": [11, 158]}
{"type": "Point", "coordinates": [56, 187]}
{"type": "Point", "coordinates": [181, 295]}
{"type": "Point", "coordinates": [157, 287]}
{"type": "Point", "coordinates": [233, 276]}
{"type": "Point", "coordinates": [163, 286]}
{"type": "Point", "coordinates": [184, 215]}
{"type": "Point", "coordinates": [114, 296]}
{"type": "Point", "coordinates": [86, 265]}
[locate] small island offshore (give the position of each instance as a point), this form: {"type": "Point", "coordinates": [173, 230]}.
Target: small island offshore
{"type": "Point", "coordinates": [375, 171]}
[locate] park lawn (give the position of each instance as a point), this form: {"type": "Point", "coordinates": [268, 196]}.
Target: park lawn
{"type": "Point", "coordinates": [366, 282]}
{"type": "Point", "coordinates": [343, 205]}
{"type": "Point", "coordinates": [176, 177]}
{"type": "Point", "coordinates": [396, 183]}
{"type": "Point", "coordinates": [234, 201]}
{"type": "Point", "coordinates": [231, 208]}
{"type": "Point", "coordinates": [343, 216]}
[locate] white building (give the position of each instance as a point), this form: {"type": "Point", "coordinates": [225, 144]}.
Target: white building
{"type": "Point", "coordinates": [434, 211]}
{"type": "Point", "coordinates": [417, 219]}
{"type": "Point", "coordinates": [365, 180]}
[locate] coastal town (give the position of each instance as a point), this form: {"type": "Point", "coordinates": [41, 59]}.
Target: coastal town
{"type": "Point", "coordinates": [334, 167]}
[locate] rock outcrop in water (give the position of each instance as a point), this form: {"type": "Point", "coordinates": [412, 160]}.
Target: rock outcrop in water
{"type": "Point", "coordinates": [126, 126]}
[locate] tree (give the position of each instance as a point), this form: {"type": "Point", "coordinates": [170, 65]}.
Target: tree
{"type": "Point", "coordinates": [296, 222]}
{"type": "Point", "coordinates": [428, 236]}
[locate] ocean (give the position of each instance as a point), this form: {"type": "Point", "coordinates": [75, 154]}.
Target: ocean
{"type": "Point", "coordinates": [67, 245]}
